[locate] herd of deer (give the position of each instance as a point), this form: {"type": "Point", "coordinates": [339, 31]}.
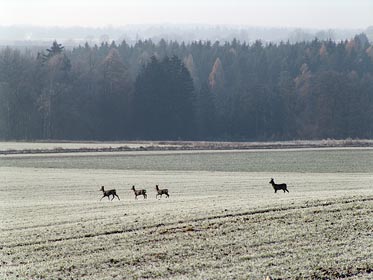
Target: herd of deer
{"type": "Point", "coordinates": [160, 192]}
{"type": "Point", "coordinates": [113, 193]}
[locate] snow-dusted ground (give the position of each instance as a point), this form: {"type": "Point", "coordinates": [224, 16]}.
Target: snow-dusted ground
{"type": "Point", "coordinates": [64, 146]}
{"type": "Point", "coordinates": [222, 220]}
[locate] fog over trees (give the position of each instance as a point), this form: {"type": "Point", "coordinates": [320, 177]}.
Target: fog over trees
{"type": "Point", "coordinates": [209, 90]}
{"type": "Point", "coordinates": [28, 35]}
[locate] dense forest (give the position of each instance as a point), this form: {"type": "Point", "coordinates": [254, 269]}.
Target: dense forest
{"type": "Point", "coordinates": [197, 91]}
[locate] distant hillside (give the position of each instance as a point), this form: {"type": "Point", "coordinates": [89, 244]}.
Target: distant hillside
{"type": "Point", "coordinates": [72, 36]}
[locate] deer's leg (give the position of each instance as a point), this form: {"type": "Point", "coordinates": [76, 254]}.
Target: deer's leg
{"type": "Point", "coordinates": [102, 198]}
{"type": "Point", "coordinates": [117, 196]}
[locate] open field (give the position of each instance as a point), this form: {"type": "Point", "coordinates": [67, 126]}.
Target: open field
{"type": "Point", "coordinates": [222, 220]}
{"type": "Point", "coordinates": [9, 148]}
{"type": "Point", "coordinates": [73, 147]}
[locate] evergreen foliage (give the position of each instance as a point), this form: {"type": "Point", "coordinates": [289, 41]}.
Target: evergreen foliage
{"type": "Point", "coordinates": [201, 90]}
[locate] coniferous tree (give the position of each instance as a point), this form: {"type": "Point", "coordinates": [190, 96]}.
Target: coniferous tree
{"type": "Point", "coordinates": [230, 90]}
{"type": "Point", "coordinates": [163, 99]}
{"type": "Point", "coordinates": [53, 94]}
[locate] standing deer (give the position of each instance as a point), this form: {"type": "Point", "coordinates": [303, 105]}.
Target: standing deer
{"type": "Point", "coordinates": [108, 193]}
{"type": "Point", "coordinates": [161, 191]}
{"type": "Point", "coordinates": [139, 192]}
{"type": "Point", "coordinates": [278, 186]}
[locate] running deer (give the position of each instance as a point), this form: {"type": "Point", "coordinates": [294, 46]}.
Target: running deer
{"type": "Point", "coordinates": [139, 192]}
{"type": "Point", "coordinates": [161, 192]}
{"type": "Point", "coordinates": [108, 193]}
{"type": "Point", "coordinates": [278, 186]}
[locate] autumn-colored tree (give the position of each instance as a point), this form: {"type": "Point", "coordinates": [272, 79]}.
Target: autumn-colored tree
{"type": "Point", "coordinates": [216, 77]}
{"type": "Point", "coordinates": [207, 90]}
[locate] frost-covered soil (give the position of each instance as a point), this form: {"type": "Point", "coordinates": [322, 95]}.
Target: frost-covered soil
{"type": "Point", "coordinates": [216, 224]}
{"type": "Point", "coordinates": [8, 148]}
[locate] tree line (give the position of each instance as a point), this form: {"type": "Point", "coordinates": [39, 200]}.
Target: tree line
{"type": "Point", "coordinates": [189, 91]}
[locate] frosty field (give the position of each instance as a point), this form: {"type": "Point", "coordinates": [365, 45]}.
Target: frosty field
{"type": "Point", "coordinates": [222, 220]}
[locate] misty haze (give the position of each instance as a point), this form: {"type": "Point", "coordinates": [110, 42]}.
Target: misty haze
{"type": "Point", "coordinates": [186, 139]}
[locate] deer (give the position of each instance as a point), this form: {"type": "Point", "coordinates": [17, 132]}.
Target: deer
{"type": "Point", "coordinates": [108, 193]}
{"type": "Point", "coordinates": [278, 186]}
{"type": "Point", "coordinates": [161, 192]}
{"type": "Point", "coordinates": [139, 192]}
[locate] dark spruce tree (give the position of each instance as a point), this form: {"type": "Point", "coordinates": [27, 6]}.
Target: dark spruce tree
{"type": "Point", "coordinates": [55, 49]}
{"type": "Point", "coordinates": [164, 100]}
{"type": "Point", "coordinates": [205, 113]}
{"type": "Point", "coordinates": [54, 99]}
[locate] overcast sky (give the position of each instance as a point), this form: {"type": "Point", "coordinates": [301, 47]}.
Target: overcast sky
{"type": "Point", "coordinates": [272, 13]}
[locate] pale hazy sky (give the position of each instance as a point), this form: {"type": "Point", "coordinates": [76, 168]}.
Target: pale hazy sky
{"type": "Point", "coordinates": [273, 13]}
